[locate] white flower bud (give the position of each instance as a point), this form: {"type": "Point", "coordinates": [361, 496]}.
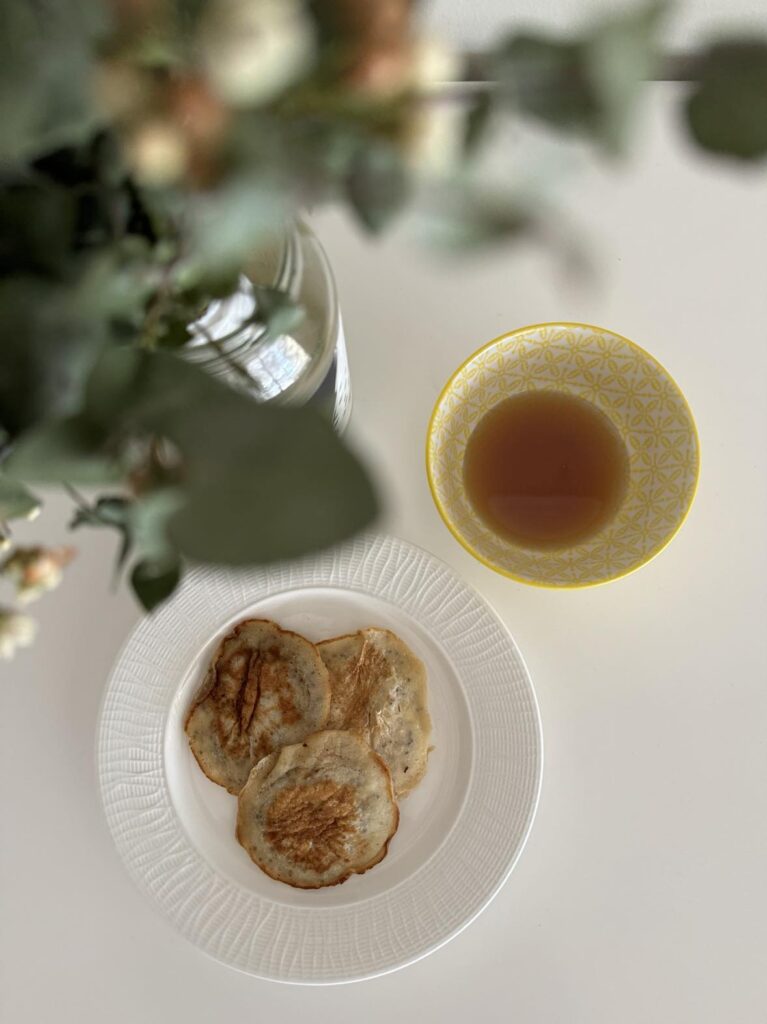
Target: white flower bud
{"type": "Point", "coordinates": [36, 570]}
{"type": "Point", "coordinates": [15, 631]}
{"type": "Point", "coordinates": [157, 152]}
{"type": "Point", "coordinates": [433, 64]}
{"type": "Point", "coordinates": [253, 49]}
{"type": "Point", "coordinates": [433, 135]}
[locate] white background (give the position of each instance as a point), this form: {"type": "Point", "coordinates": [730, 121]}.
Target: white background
{"type": "Point", "coordinates": [642, 894]}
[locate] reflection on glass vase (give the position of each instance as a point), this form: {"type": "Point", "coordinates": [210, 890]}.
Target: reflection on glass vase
{"type": "Point", "coordinates": [309, 363]}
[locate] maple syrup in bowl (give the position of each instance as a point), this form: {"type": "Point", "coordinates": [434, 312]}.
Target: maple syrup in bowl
{"type": "Point", "coordinates": [545, 469]}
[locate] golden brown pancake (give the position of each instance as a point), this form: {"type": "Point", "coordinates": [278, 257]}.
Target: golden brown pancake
{"type": "Point", "coordinates": [266, 687]}
{"type": "Point", "coordinates": [378, 692]}
{"type": "Point", "coordinates": [317, 812]}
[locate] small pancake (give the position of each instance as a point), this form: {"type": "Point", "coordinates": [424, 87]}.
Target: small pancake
{"type": "Point", "coordinates": [378, 692]}
{"type": "Point", "coordinates": [317, 812]}
{"type": "Point", "coordinates": [265, 687]}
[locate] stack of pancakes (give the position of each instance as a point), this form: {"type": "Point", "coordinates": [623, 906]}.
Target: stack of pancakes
{"type": "Point", "coordinates": [316, 741]}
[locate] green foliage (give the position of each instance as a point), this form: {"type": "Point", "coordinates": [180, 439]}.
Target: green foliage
{"type": "Point", "coordinates": [225, 225]}
{"type": "Point", "coordinates": [53, 331]}
{"type": "Point", "coordinates": [152, 583]}
{"type": "Point", "coordinates": [377, 185]}
{"type": "Point", "coordinates": [548, 79]}
{"type": "Point", "coordinates": [15, 500]}
{"type": "Point", "coordinates": [49, 343]}
{"type": "Point", "coordinates": [284, 491]}
{"type": "Point", "coordinates": [463, 220]}
{"type": "Point", "coordinates": [727, 111]}
{"type": "Point", "coordinates": [67, 450]}
{"type": "Point", "coordinates": [259, 482]}
{"type": "Point", "coordinates": [116, 232]}
{"type": "Point", "coordinates": [45, 74]}
{"type": "Point", "coordinates": [254, 483]}
{"type": "Point", "coordinates": [479, 115]}
{"type": "Point", "coordinates": [142, 525]}
{"type": "Point", "coordinates": [147, 521]}
{"type": "Point", "coordinates": [589, 84]}
{"type": "Point", "coordinates": [108, 511]}
{"type": "Point", "coordinates": [111, 512]}
{"type": "Point", "coordinates": [37, 225]}
{"type": "Point", "coordinates": [276, 311]}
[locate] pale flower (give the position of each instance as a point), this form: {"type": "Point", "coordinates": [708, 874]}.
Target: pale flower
{"type": "Point", "coordinates": [253, 49]}
{"type": "Point", "coordinates": [433, 133]}
{"type": "Point", "coordinates": [36, 570]}
{"type": "Point", "coordinates": [157, 152]}
{"type": "Point", "coordinates": [15, 631]}
{"type": "Point", "coordinates": [433, 64]}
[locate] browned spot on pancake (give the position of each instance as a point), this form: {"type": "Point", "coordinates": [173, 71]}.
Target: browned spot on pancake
{"type": "Point", "coordinates": [236, 690]}
{"type": "Point", "coordinates": [359, 683]}
{"type": "Point", "coordinates": [250, 691]}
{"type": "Point", "coordinates": [288, 710]}
{"type": "Point", "coordinates": [313, 825]}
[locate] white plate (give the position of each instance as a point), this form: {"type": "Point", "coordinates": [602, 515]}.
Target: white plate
{"type": "Point", "coordinates": [460, 832]}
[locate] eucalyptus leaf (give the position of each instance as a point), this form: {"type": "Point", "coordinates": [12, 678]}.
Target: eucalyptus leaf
{"type": "Point", "coordinates": [282, 488]}
{"type": "Point", "coordinates": [46, 74]}
{"type": "Point", "coordinates": [147, 521]}
{"type": "Point", "coordinates": [621, 55]}
{"type": "Point", "coordinates": [462, 219]}
{"type": "Point", "coordinates": [174, 333]}
{"type": "Point", "coordinates": [276, 311]}
{"type": "Point", "coordinates": [37, 223]}
{"type": "Point", "coordinates": [377, 185]}
{"type": "Point", "coordinates": [153, 583]}
{"type": "Point", "coordinates": [47, 347]}
{"type": "Point", "coordinates": [15, 500]}
{"type": "Point", "coordinates": [547, 79]}
{"type": "Point", "coordinates": [589, 84]}
{"type": "Point", "coordinates": [62, 451]}
{"type": "Point", "coordinates": [727, 111]}
{"type": "Point", "coordinates": [51, 333]}
{"type": "Point", "coordinates": [140, 392]}
{"type": "Point", "coordinates": [113, 385]}
{"type": "Point", "coordinates": [227, 223]}
{"type": "Point", "coordinates": [479, 117]}
{"type": "Point", "coordinates": [111, 510]}
{"type": "Point", "coordinates": [259, 482]}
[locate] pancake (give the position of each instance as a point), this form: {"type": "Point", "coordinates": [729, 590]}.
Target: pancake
{"type": "Point", "coordinates": [317, 812]}
{"type": "Point", "coordinates": [266, 687]}
{"type": "Point", "coordinates": [378, 692]}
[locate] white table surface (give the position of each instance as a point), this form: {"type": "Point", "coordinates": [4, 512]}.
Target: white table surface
{"type": "Point", "coordinates": [642, 893]}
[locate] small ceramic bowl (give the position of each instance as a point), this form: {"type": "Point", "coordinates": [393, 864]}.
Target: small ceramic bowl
{"type": "Point", "coordinates": [631, 388]}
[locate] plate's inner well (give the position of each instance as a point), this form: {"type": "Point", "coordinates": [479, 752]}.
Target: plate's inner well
{"type": "Point", "coordinates": [207, 812]}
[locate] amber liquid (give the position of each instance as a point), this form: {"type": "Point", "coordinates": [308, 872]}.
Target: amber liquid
{"type": "Point", "coordinates": [545, 469]}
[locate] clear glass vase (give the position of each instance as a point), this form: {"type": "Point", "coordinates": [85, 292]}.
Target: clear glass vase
{"type": "Point", "coordinates": [309, 363]}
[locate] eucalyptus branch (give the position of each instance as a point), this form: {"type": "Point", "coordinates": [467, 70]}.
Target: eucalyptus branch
{"type": "Point", "coordinates": [672, 67]}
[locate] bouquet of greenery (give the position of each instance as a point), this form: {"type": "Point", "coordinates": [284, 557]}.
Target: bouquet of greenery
{"type": "Point", "coordinates": [150, 146]}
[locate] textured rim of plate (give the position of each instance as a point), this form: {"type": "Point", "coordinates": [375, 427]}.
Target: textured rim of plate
{"type": "Point", "coordinates": [385, 932]}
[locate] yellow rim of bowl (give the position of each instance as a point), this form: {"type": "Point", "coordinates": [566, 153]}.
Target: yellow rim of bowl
{"type": "Point", "coordinates": [469, 547]}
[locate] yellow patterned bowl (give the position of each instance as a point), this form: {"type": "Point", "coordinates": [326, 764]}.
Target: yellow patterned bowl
{"type": "Point", "coordinates": [631, 388]}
